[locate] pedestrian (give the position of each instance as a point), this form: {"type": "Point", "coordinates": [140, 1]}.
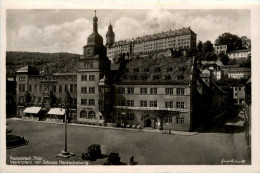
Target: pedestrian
{"type": "Point", "coordinates": [131, 160]}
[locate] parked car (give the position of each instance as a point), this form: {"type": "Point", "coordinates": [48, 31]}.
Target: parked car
{"type": "Point", "coordinates": [13, 141]}
{"type": "Point", "coordinates": [113, 159]}
{"type": "Point", "coordinates": [94, 152]}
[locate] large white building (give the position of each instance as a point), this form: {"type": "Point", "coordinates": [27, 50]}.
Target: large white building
{"type": "Point", "coordinates": [239, 54]}
{"type": "Point", "coordinates": [220, 48]}
{"type": "Point", "coordinates": [181, 39]}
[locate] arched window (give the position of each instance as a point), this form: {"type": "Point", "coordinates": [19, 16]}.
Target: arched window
{"type": "Point", "coordinates": [83, 114]}
{"type": "Point", "coordinates": [91, 114]}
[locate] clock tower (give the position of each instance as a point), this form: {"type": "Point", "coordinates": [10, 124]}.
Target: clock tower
{"type": "Point", "coordinates": [93, 66]}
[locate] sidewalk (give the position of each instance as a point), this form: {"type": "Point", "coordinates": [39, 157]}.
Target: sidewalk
{"type": "Point", "coordinates": [115, 128]}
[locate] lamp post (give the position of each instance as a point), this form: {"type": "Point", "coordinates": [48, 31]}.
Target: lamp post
{"type": "Point", "coordinates": [65, 153]}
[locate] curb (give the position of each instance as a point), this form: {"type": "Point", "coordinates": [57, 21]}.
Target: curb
{"type": "Point", "coordinates": [115, 128]}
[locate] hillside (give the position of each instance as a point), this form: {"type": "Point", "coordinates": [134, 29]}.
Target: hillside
{"type": "Point", "coordinates": [56, 62]}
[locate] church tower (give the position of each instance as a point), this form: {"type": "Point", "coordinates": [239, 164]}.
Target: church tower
{"type": "Point", "coordinates": [93, 66]}
{"type": "Point", "coordinates": [110, 36]}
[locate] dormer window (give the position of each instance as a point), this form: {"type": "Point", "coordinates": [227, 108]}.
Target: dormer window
{"type": "Point", "coordinates": [157, 70]}
{"type": "Point", "coordinates": [169, 69]}
{"type": "Point", "coordinates": [146, 70]}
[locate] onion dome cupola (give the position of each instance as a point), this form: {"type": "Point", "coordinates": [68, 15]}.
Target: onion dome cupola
{"type": "Point", "coordinates": [110, 36]}
{"type": "Point", "coordinates": [95, 38]}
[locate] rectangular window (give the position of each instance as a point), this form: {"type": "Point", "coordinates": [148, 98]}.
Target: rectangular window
{"type": "Point", "coordinates": [121, 103]}
{"type": "Point", "coordinates": [83, 90]}
{"type": "Point", "coordinates": [30, 88]}
{"type": "Point", "coordinates": [84, 101]}
{"type": "Point", "coordinates": [178, 120]}
{"type": "Point", "coordinates": [66, 88]}
{"type": "Point", "coordinates": [143, 90]}
{"type": "Point", "coordinates": [168, 90]}
{"type": "Point", "coordinates": [91, 77]}
{"type": "Point", "coordinates": [143, 103]}
{"type": "Point", "coordinates": [60, 88]}
{"type": "Point", "coordinates": [153, 103]}
{"type": "Point", "coordinates": [130, 116]}
{"type": "Point", "coordinates": [71, 89]}
{"type": "Point", "coordinates": [130, 90]}
{"type": "Point", "coordinates": [54, 88]}
{"type": "Point", "coordinates": [121, 90]}
{"type": "Point", "coordinates": [22, 78]}
{"type": "Point", "coordinates": [91, 90]}
{"type": "Point", "coordinates": [168, 119]}
{"type": "Point", "coordinates": [130, 102]}
{"type": "Point", "coordinates": [35, 88]}
{"type": "Point", "coordinates": [91, 102]}
{"type": "Point", "coordinates": [74, 101]}
{"type": "Point", "coordinates": [75, 88]}
{"type": "Point", "coordinates": [182, 120]}
{"type": "Point", "coordinates": [180, 91]}
{"type": "Point", "coordinates": [84, 77]}
{"type": "Point", "coordinates": [180, 105]}
{"type": "Point", "coordinates": [153, 90]}
{"type": "Point", "coordinates": [22, 87]}
{"type": "Point", "coordinates": [169, 104]}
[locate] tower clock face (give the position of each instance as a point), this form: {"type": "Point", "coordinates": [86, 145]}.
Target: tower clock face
{"type": "Point", "coordinates": [90, 51]}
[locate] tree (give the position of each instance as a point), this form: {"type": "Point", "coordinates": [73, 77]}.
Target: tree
{"type": "Point", "coordinates": [161, 114]}
{"type": "Point", "coordinates": [211, 56]}
{"type": "Point", "coordinates": [223, 58]}
{"type": "Point", "coordinates": [246, 63]}
{"type": "Point", "coordinates": [207, 47]}
{"type": "Point", "coordinates": [28, 98]}
{"type": "Point", "coordinates": [246, 42]}
{"type": "Point", "coordinates": [191, 52]}
{"type": "Point", "coordinates": [233, 42]}
{"type": "Point", "coordinates": [52, 99]}
{"type": "Point", "coordinates": [199, 47]}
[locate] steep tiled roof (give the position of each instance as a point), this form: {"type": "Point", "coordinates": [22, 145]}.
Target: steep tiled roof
{"type": "Point", "coordinates": [148, 71]}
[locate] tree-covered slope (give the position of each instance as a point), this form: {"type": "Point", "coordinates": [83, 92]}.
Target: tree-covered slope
{"type": "Point", "coordinates": [56, 62]}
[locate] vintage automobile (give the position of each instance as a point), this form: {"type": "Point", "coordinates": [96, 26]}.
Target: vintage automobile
{"type": "Point", "coordinates": [13, 141]}
{"type": "Point", "coordinates": [94, 152]}
{"type": "Point", "coordinates": [113, 159]}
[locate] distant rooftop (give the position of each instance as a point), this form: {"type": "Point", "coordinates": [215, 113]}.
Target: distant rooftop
{"type": "Point", "coordinates": [243, 50]}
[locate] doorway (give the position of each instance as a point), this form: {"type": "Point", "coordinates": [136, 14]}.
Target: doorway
{"type": "Point", "coordinates": [148, 123]}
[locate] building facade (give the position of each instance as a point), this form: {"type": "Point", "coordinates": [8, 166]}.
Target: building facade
{"type": "Point", "coordinates": [239, 54]}
{"type": "Point", "coordinates": [220, 48]}
{"type": "Point", "coordinates": [38, 87]}
{"type": "Point", "coordinates": [93, 66]}
{"type": "Point", "coordinates": [181, 39]}
{"type": "Point", "coordinates": [149, 91]}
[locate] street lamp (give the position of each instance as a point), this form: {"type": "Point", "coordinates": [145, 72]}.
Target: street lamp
{"type": "Point", "coordinates": [65, 153]}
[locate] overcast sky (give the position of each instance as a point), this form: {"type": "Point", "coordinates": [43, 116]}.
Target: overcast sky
{"type": "Point", "coordinates": [67, 30]}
